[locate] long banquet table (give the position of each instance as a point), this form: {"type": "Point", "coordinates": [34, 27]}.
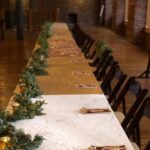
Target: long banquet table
{"type": "Point", "coordinates": [70, 86]}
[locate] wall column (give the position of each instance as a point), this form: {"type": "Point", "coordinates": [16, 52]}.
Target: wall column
{"type": "Point", "coordinates": [118, 16]}
{"type": "Point", "coordinates": [108, 4]}
{"type": "Point", "coordinates": [136, 21]}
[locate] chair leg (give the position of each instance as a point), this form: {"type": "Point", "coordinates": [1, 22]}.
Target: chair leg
{"type": "Point", "coordinates": [124, 106]}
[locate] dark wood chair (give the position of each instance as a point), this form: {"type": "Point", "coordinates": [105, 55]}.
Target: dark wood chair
{"type": "Point", "coordinates": [116, 74]}
{"type": "Point", "coordinates": [86, 47]}
{"type": "Point", "coordinates": [81, 39]}
{"type": "Point", "coordinates": [132, 86]}
{"type": "Point", "coordinates": [147, 146]}
{"type": "Point", "coordinates": [91, 56]}
{"type": "Point", "coordinates": [101, 72]}
{"type": "Point", "coordinates": [2, 24]}
{"type": "Point", "coordinates": [98, 61]}
{"type": "Point", "coordinates": [2, 29]}
{"type": "Point", "coordinates": [75, 30]}
{"type": "Point", "coordinates": [131, 122]}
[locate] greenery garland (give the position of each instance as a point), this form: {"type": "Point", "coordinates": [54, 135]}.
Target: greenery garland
{"type": "Point", "coordinates": [26, 109]}
{"type": "Point", "coordinates": [29, 89]}
{"type": "Point", "coordinates": [38, 62]}
{"type": "Point", "coordinates": [18, 139]}
{"type": "Point", "coordinates": [29, 84]}
{"type": "Point", "coordinates": [100, 47]}
{"type": "Point", "coordinates": [42, 40]}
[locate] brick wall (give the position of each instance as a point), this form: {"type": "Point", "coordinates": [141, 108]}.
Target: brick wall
{"type": "Point", "coordinates": [136, 21]}
{"type": "Point", "coordinates": [87, 10]}
{"type": "Point", "coordinates": [118, 16]}
{"type": "Point", "coordinates": [140, 21]}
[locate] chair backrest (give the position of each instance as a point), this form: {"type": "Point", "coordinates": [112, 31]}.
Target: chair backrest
{"type": "Point", "coordinates": [132, 86]}
{"type": "Point", "coordinates": [99, 62]}
{"type": "Point", "coordinates": [75, 30]}
{"type": "Point", "coordinates": [117, 74]}
{"type": "Point", "coordinates": [106, 66]}
{"type": "Point", "coordinates": [81, 38]}
{"type": "Point", "coordinates": [132, 129]}
{"type": "Point", "coordinates": [87, 46]}
{"type": "Point", "coordinates": [92, 55]}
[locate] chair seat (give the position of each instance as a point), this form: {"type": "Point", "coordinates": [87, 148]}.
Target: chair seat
{"type": "Point", "coordinates": [120, 116]}
{"type": "Point", "coordinates": [135, 146]}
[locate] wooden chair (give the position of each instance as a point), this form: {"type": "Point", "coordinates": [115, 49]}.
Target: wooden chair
{"type": "Point", "coordinates": [90, 56]}
{"type": "Point", "coordinates": [2, 29]}
{"type": "Point", "coordinates": [101, 72]}
{"type": "Point", "coordinates": [86, 47]}
{"type": "Point", "coordinates": [116, 74]}
{"type": "Point", "coordinates": [75, 30]}
{"type": "Point", "coordinates": [81, 38]}
{"type": "Point", "coordinates": [99, 61]}
{"type": "Point", "coordinates": [131, 126]}
{"type": "Point", "coordinates": [132, 86]}
{"type": "Point", "coordinates": [147, 146]}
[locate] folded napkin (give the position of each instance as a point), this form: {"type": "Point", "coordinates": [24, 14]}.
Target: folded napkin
{"type": "Point", "coordinates": [119, 147]}
{"type": "Point", "coordinates": [86, 86]}
{"type": "Point", "coordinates": [81, 73]}
{"type": "Point", "coordinates": [84, 110]}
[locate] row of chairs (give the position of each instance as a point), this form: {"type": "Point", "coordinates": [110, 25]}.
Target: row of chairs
{"type": "Point", "coordinates": [108, 70]}
{"type": "Point", "coordinates": [83, 40]}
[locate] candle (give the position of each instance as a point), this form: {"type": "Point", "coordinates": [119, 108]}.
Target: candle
{"type": "Point", "coordinates": [4, 141]}
{"type": "Point", "coordinates": [42, 58]}
{"type": "Point", "coordinates": [22, 87]}
{"type": "Point", "coordinates": [30, 67]}
{"type": "Point", "coordinates": [15, 105]}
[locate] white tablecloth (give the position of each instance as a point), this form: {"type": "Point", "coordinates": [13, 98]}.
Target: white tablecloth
{"type": "Point", "coordinates": [64, 128]}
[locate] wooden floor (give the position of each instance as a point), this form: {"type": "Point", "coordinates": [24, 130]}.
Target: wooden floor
{"type": "Point", "coordinates": [14, 55]}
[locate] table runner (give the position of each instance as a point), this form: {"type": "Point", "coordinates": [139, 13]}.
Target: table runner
{"type": "Point", "coordinates": [64, 128]}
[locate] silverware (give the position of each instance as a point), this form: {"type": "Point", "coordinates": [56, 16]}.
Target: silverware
{"type": "Point", "coordinates": [120, 147]}
{"type": "Point", "coordinates": [84, 110]}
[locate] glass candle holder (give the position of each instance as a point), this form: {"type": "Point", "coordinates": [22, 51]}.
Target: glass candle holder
{"type": "Point", "coordinates": [4, 141]}
{"type": "Point", "coordinates": [22, 87]}
{"type": "Point", "coordinates": [15, 105]}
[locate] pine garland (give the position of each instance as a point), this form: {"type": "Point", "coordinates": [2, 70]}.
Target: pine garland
{"type": "Point", "coordinates": [100, 47]}
{"type": "Point", "coordinates": [18, 139]}
{"type": "Point", "coordinates": [37, 65]}
{"type": "Point", "coordinates": [29, 89]}
{"type": "Point", "coordinates": [27, 109]}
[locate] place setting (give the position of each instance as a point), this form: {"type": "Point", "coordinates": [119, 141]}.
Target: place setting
{"type": "Point", "coordinates": [86, 86]}
{"type": "Point", "coordinates": [117, 147]}
{"type": "Point", "coordinates": [86, 73]}
{"type": "Point", "coordinates": [85, 110]}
